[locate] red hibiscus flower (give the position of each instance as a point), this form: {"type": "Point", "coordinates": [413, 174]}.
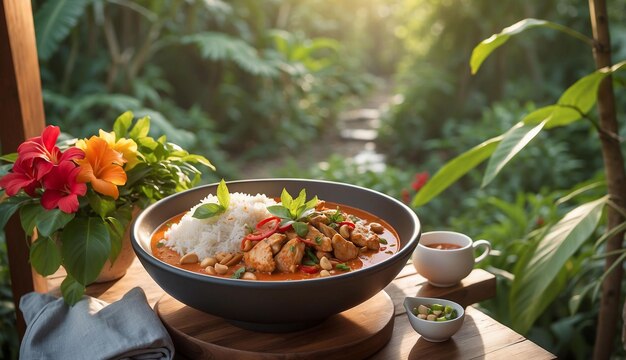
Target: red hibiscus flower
{"type": "Point", "coordinates": [420, 180]}
{"type": "Point", "coordinates": [42, 152]}
{"type": "Point", "coordinates": [62, 189]}
{"type": "Point", "coordinates": [22, 177]}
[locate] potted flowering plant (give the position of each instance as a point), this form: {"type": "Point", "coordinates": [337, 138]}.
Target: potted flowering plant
{"type": "Point", "coordinates": [77, 198]}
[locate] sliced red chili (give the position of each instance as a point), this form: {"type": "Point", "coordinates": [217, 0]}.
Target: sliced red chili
{"type": "Point", "coordinates": [264, 222]}
{"type": "Point", "coordinates": [287, 226]}
{"type": "Point", "coordinates": [263, 229]}
{"type": "Point", "coordinates": [309, 269]}
{"type": "Point", "coordinates": [306, 241]}
{"type": "Point", "coordinates": [349, 223]}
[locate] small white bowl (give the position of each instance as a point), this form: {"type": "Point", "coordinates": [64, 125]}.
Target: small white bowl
{"type": "Point", "coordinates": [434, 331]}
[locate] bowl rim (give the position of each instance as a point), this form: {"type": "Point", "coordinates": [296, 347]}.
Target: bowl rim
{"type": "Point", "coordinates": [408, 301]}
{"type": "Point", "coordinates": [405, 247]}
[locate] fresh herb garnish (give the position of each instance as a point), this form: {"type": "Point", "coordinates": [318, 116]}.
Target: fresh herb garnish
{"type": "Point", "coordinates": [311, 256]}
{"type": "Point", "coordinates": [382, 241]}
{"type": "Point", "coordinates": [237, 274]}
{"type": "Point", "coordinates": [336, 216]}
{"type": "Point", "coordinates": [318, 240]}
{"type": "Point", "coordinates": [343, 267]}
{"type": "Point", "coordinates": [209, 210]}
{"type": "Point", "coordinates": [160, 244]}
{"type": "Point", "coordinates": [292, 249]}
{"type": "Point", "coordinates": [294, 211]}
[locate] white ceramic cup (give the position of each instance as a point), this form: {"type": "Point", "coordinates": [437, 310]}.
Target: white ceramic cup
{"type": "Point", "coordinates": [445, 268]}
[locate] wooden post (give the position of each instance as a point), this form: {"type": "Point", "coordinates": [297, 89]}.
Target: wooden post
{"type": "Point", "coordinates": [22, 117]}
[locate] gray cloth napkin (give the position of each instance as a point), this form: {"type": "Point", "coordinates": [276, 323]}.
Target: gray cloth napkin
{"type": "Point", "coordinates": [93, 329]}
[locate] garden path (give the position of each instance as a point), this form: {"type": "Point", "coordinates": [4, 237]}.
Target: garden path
{"type": "Point", "coordinates": [355, 139]}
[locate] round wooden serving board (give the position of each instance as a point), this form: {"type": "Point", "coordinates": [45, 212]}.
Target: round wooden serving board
{"type": "Point", "coordinates": [354, 333]}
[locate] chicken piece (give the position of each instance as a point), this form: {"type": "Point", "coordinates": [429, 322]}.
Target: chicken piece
{"type": "Point", "coordinates": [362, 236]}
{"type": "Point", "coordinates": [327, 230]}
{"type": "Point", "coordinates": [260, 257]}
{"type": "Point", "coordinates": [276, 242]}
{"type": "Point", "coordinates": [319, 219]}
{"type": "Point", "coordinates": [322, 243]}
{"type": "Point", "coordinates": [344, 249]}
{"type": "Point", "coordinates": [290, 256]}
{"type": "Point", "coordinates": [291, 234]}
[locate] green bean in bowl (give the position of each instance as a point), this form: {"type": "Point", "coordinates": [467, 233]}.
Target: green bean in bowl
{"type": "Point", "coordinates": [435, 312]}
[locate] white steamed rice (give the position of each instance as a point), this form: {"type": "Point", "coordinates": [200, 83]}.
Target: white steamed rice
{"type": "Point", "coordinates": [222, 233]}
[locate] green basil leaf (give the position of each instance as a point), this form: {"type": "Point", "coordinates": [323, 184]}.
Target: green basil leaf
{"type": "Point", "coordinates": [86, 247]}
{"type": "Point", "coordinates": [300, 228]}
{"type": "Point", "coordinates": [286, 199]}
{"type": "Point", "coordinates": [280, 211]}
{"type": "Point", "coordinates": [311, 204]}
{"type": "Point", "coordinates": [223, 195]}
{"type": "Point", "coordinates": [297, 203]}
{"type": "Point", "coordinates": [72, 290]}
{"type": "Point", "coordinates": [50, 221]}
{"type": "Point", "coordinates": [45, 256]}
{"type": "Point", "coordinates": [206, 211]}
{"type": "Point", "coordinates": [122, 124]}
{"type": "Point", "coordinates": [237, 274]}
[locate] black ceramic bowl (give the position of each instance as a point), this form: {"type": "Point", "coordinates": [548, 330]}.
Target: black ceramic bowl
{"type": "Point", "coordinates": [278, 306]}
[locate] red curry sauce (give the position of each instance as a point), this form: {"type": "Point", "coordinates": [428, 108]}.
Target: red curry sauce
{"type": "Point", "coordinates": [365, 259]}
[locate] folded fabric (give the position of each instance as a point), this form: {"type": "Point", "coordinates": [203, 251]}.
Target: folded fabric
{"type": "Point", "coordinates": [93, 329]}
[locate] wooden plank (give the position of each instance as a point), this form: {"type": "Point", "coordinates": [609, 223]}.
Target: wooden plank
{"type": "Point", "coordinates": [480, 337]}
{"type": "Point", "coordinates": [354, 334]}
{"type": "Point", "coordinates": [22, 118]}
{"type": "Point", "coordinates": [478, 286]}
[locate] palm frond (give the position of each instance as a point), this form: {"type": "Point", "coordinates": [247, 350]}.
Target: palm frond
{"type": "Point", "coordinates": [54, 21]}
{"type": "Point", "coordinates": [221, 47]}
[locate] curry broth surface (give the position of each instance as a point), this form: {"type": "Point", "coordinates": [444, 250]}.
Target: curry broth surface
{"type": "Point", "coordinates": [364, 259]}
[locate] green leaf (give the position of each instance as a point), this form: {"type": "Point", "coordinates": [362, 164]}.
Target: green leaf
{"type": "Point", "coordinates": [86, 247]}
{"type": "Point", "coordinates": [300, 228]}
{"type": "Point", "coordinates": [528, 292]}
{"type": "Point", "coordinates": [311, 204]}
{"type": "Point", "coordinates": [50, 221]}
{"type": "Point", "coordinates": [122, 124]}
{"type": "Point", "coordinates": [280, 211]}
{"type": "Point", "coordinates": [199, 159]}
{"type": "Point", "coordinates": [455, 169]}
{"type": "Point", "coordinates": [116, 233]}
{"type": "Point", "coordinates": [513, 142]}
{"type": "Point", "coordinates": [223, 196]}
{"type": "Point", "coordinates": [217, 46]}
{"type": "Point", "coordinates": [553, 116]}
{"type": "Point", "coordinates": [209, 210]}
{"type": "Point", "coordinates": [9, 206]}
{"type": "Point", "coordinates": [141, 128]}
{"type": "Point", "coordinates": [72, 290]}
{"type": "Point", "coordinates": [237, 274]}
{"type": "Point", "coordinates": [486, 47]}
{"type": "Point", "coordinates": [45, 256]}
{"type": "Point", "coordinates": [28, 217]}
{"type": "Point", "coordinates": [285, 198]}
{"type": "Point", "coordinates": [12, 157]}
{"type": "Point", "coordinates": [53, 22]}
{"type": "Point", "coordinates": [100, 204]}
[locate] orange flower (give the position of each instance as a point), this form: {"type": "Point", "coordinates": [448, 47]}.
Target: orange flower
{"type": "Point", "coordinates": [102, 167]}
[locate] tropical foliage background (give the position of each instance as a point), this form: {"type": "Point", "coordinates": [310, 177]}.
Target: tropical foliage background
{"type": "Point", "coordinates": [249, 81]}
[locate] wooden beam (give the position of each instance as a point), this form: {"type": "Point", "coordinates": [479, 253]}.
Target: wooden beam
{"type": "Point", "coordinates": [21, 106]}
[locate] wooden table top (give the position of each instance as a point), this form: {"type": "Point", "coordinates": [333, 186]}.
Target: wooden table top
{"type": "Point", "coordinates": [480, 337]}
